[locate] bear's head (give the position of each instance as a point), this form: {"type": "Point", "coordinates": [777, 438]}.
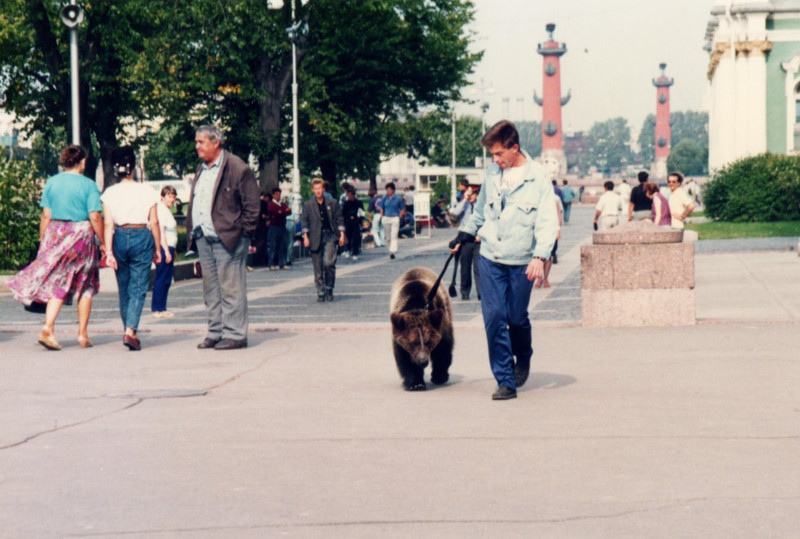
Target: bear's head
{"type": "Point", "coordinates": [418, 332]}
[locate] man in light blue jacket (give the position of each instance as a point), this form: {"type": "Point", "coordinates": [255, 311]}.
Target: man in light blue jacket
{"type": "Point", "coordinates": [516, 219]}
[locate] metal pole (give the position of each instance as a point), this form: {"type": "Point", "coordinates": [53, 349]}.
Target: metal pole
{"type": "Point", "coordinates": [73, 53]}
{"type": "Point", "coordinates": [453, 161]}
{"type": "Point", "coordinates": [296, 197]}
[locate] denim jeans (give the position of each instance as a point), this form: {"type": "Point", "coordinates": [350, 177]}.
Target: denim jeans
{"type": "Point", "coordinates": [162, 282]}
{"type": "Point", "coordinates": [276, 239]}
{"type": "Point", "coordinates": [133, 248]}
{"type": "Point", "coordinates": [505, 295]}
{"type": "Point", "coordinates": [224, 287]}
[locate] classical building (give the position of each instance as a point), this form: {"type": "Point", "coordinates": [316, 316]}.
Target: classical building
{"type": "Point", "coordinates": [551, 102]}
{"type": "Point", "coordinates": [754, 72]}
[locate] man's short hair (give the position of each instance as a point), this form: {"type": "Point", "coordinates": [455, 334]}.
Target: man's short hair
{"type": "Point", "coordinates": [464, 182]}
{"type": "Point", "coordinates": [643, 176]}
{"type": "Point", "coordinates": [677, 175]}
{"type": "Point", "coordinates": [609, 185]}
{"type": "Point", "coordinates": [503, 132]}
{"type": "Point", "coordinates": [213, 133]}
{"type": "Point", "coordinates": [276, 190]}
{"type": "Point", "coordinates": [317, 181]}
{"type": "Point", "coordinates": [564, 182]}
{"type": "Point", "coordinates": [168, 190]}
{"type": "Point", "coordinates": [391, 186]}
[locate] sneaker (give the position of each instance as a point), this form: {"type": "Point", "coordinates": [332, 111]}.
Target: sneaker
{"type": "Point", "coordinates": [284, 267]}
{"type": "Point", "coordinates": [504, 393]}
{"type": "Point", "coordinates": [391, 255]}
{"type": "Point", "coordinates": [355, 258]}
{"type": "Point", "coordinates": [273, 268]}
{"type": "Point", "coordinates": [346, 254]}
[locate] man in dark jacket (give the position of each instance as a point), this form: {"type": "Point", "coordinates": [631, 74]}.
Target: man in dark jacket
{"type": "Point", "coordinates": [277, 211]}
{"type": "Point", "coordinates": [321, 219]}
{"type": "Point", "coordinates": [222, 217]}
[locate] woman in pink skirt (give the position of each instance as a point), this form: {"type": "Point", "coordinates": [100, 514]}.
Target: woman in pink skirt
{"type": "Point", "coordinates": [70, 231]}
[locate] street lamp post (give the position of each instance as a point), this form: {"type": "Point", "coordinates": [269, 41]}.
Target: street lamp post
{"type": "Point", "coordinates": [297, 198]}
{"type": "Point", "coordinates": [484, 107]}
{"type": "Point", "coordinates": [72, 16]}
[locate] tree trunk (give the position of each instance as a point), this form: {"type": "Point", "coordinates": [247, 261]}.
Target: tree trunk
{"type": "Point", "coordinates": [328, 168]}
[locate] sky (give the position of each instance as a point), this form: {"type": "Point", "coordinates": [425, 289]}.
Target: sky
{"type": "Point", "coordinates": [614, 48]}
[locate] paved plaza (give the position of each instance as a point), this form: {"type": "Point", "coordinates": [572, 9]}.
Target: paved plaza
{"type": "Point", "coordinates": [644, 432]}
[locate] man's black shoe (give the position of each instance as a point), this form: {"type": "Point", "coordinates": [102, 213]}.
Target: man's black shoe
{"type": "Point", "coordinates": [504, 393]}
{"type": "Point", "coordinates": [521, 375]}
{"type": "Point", "coordinates": [230, 344]}
{"type": "Point", "coordinates": [208, 342]}
{"type": "Point", "coordinates": [391, 255]}
{"type": "Point", "coordinates": [464, 296]}
{"type": "Point", "coordinates": [329, 296]}
{"type": "Point", "coordinates": [321, 299]}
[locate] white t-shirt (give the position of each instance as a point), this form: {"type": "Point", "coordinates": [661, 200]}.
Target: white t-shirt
{"type": "Point", "coordinates": [130, 202]}
{"type": "Point", "coordinates": [610, 204]}
{"type": "Point", "coordinates": [168, 224]}
{"type": "Point", "coordinates": [512, 177]}
{"type": "Point", "coordinates": [679, 201]}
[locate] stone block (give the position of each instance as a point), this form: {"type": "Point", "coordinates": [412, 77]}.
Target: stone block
{"type": "Point", "coordinates": [637, 308]}
{"type": "Point", "coordinates": [621, 267]}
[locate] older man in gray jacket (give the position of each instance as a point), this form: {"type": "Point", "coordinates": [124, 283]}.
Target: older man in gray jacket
{"type": "Point", "coordinates": [222, 217]}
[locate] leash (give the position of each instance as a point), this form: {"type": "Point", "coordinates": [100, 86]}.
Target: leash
{"type": "Point", "coordinates": [435, 288]}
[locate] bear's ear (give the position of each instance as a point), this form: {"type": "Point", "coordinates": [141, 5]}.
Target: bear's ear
{"type": "Point", "coordinates": [435, 318]}
{"type": "Point", "coordinates": [398, 321]}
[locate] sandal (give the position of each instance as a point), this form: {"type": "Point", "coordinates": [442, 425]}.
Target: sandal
{"type": "Point", "coordinates": [47, 340]}
{"type": "Point", "coordinates": [85, 342]}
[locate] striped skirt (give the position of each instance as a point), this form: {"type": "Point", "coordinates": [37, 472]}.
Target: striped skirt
{"type": "Point", "coordinates": [65, 266]}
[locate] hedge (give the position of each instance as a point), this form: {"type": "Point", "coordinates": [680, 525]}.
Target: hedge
{"type": "Point", "coordinates": [763, 188]}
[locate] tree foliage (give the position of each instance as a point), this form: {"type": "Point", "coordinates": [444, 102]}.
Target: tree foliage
{"type": "Point", "coordinates": [763, 188]}
{"type": "Point", "coordinates": [530, 137]}
{"type": "Point", "coordinates": [389, 61]}
{"type": "Point", "coordinates": [35, 70]}
{"type": "Point", "coordinates": [686, 125]}
{"type": "Point", "coordinates": [19, 213]}
{"type": "Point", "coordinates": [688, 157]}
{"type": "Point", "coordinates": [468, 145]}
{"type": "Point", "coordinates": [608, 144]}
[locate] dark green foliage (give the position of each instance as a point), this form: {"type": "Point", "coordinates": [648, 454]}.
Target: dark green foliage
{"type": "Point", "coordinates": [689, 158]}
{"type": "Point", "coordinates": [20, 192]}
{"type": "Point", "coordinates": [763, 188]}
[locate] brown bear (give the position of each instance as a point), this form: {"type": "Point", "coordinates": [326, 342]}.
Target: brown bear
{"type": "Point", "coordinates": [422, 330]}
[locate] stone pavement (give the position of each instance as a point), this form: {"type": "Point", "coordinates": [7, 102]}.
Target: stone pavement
{"type": "Point", "coordinates": [647, 432]}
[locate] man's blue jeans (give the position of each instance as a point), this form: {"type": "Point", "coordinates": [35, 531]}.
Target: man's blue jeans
{"type": "Point", "coordinates": [162, 282]}
{"type": "Point", "coordinates": [505, 295]}
{"type": "Point", "coordinates": [133, 248]}
{"type": "Point", "coordinates": [224, 287]}
{"type": "Point", "coordinates": [276, 238]}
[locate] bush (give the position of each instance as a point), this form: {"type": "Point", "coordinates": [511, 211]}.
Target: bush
{"type": "Point", "coordinates": [20, 193]}
{"type": "Point", "coordinates": [763, 188]}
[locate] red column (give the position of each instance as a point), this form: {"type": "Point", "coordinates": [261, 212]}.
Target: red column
{"type": "Point", "coordinates": [663, 129]}
{"type": "Point", "coordinates": [551, 101]}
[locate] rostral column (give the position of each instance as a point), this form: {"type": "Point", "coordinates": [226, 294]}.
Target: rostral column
{"type": "Point", "coordinates": [553, 155]}
{"type": "Point", "coordinates": [663, 125]}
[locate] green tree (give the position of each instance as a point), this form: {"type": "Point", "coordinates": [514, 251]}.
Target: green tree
{"type": "Point", "coordinates": [685, 125]}
{"type": "Point", "coordinates": [35, 73]}
{"type": "Point", "coordinates": [608, 144]}
{"type": "Point", "coordinates": [20, 191]}
{"type": "Point", "coordinates": [530, 137]}
{"type": "Point", "coordinates": [389, 61]}
{"type": "Point", "coordinates": [647, 139]}
{"type": "Point", "coordinates": [688, 157]}
{"type": "Point", "coordinates": [468, 143]}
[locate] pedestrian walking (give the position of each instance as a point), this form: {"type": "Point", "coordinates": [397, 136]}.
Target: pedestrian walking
{"type": "Point", "coordinates": [323, 225]}
{"type": "Point", "coordinates": [133, 231]}
{"type": "Point", "coordinates": [70, 242]}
